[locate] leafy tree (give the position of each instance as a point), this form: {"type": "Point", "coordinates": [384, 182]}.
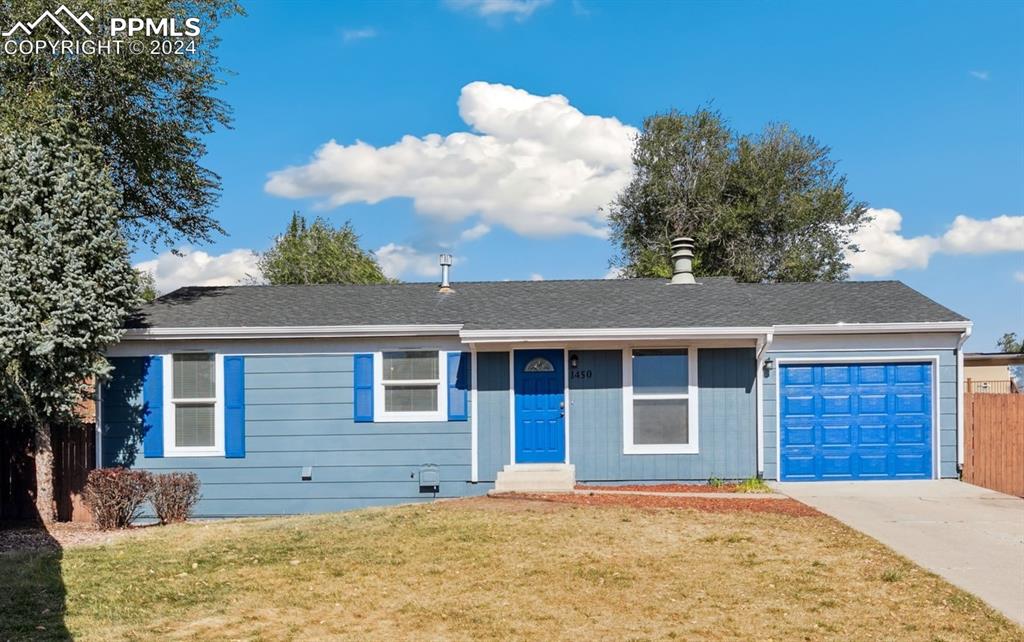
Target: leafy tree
{"type": "Point", "coordinates": [1010, 343]}
{"type": "Point", "coordinates": [66, 282]}
{"type": "Point", "coordinates": [767, 207]}
{"type": "Point", "coordinates": [319, 253]}
{"type": "Point", "coordinates": [148, 113]}
{"type": "Point", "coordinates": [147, 286]}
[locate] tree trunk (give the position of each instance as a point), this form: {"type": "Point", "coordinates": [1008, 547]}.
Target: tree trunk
{"type": "Point", "coordinates": [45, 506]}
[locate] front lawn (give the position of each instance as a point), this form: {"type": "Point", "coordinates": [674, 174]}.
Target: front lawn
{"type": "Point", "coordinates": [490, 568]}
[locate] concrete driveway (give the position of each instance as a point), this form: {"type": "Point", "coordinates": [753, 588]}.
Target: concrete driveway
{"type": "Point", "coordinates": [971, 536]}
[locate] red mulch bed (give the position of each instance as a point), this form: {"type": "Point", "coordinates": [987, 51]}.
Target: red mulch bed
{"type": "Point", "coordinates": [778, 506]}
{"type": "Point", "coordinates": [666, 488]}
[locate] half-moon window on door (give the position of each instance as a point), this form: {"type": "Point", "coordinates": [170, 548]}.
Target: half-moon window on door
{"type": "Point", "coordinates": [539, 364]}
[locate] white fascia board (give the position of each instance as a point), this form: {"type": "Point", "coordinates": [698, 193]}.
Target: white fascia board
{"type": "Point", "coordinates": [292, 332]}
{"type": "Point", "coordinates": [606, 334]}
{"type": "Point", "coordinates": [872, 328]}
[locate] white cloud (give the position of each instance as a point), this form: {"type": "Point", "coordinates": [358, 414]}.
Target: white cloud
{"type": "Point", "coordinates": [496, 9]}
{"type": "Point", "coordinates": [397, 261]}
{"type": "Point", "coordinates": [536, 277]}
{"type": "Point", "coordinates": [196, 267]}
{"type": "Point", "coordinates": [1018, 276]}
{"type": "Point", "coordinates": [971, 236]}
{"type": "Point", "coordinates": [535, 164]}
{"type": "Point", "coordinates": [477, 231]}
{"type": "Point", "coordinates": [885, 250]}
{"type": "Point", "coordinates": [613, 273]}
{"type": "Point", "coordinates": [352, 35]}
{"type": "Point", "coordinates": [980, 74]}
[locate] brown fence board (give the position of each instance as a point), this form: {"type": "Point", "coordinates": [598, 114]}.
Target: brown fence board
{"type": "Point", "coordinates": [994, 441]}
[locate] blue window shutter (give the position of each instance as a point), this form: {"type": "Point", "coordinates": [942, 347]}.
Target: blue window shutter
{"type": "Point", "coordinates": [362, 380]}
{"type": "Point", "coordinates": [458, 386]}
{"type": "Point", "coordinates": [153, 408]}
{"type": "Point", "coordinates": [234, 407]}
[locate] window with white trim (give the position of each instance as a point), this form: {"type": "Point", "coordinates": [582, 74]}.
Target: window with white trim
{"type": "Point", "coordinates": [194, 425]}
{"type": "Point", "coordinates": [660, 412]}
{"type": "Point", "coordinates": [409, 386]}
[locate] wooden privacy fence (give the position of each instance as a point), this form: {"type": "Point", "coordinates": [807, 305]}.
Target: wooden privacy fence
{"type": "Point", "coordinates": [994, 441]}
{"type": "Point", "coordinates": [74, 455]}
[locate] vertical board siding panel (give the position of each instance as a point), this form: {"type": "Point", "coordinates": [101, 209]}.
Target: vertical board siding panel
{"type": "Point", "coordinates": [492, 382]}
{"type": "Point", "coordinates": [726, 422]}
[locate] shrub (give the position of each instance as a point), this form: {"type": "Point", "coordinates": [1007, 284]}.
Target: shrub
{"type": "Point", "coordinates": [716, 482]}
{"type": "Point", "coordinates": [174, 496]}
{"type": "Point", "coordinates": [115, 495]}
{"type": "Point", "coordinates": [753, 485]}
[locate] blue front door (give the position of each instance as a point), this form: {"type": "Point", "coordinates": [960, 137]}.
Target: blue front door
{"type": "Point", "coordinates": [540, 406]}
{"type": "Point", "coordinates": [855, 421]}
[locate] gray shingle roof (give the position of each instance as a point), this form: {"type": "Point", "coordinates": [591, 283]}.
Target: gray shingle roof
{"type": "Point", "coordinates": [613, 303]}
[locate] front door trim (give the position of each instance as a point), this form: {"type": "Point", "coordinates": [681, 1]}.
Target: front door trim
{"type": "Point", "coordinates": [512, 397]}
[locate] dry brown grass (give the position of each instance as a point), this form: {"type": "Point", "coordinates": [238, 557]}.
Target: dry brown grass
{"type": "Point", "coordinates": [492, 568]}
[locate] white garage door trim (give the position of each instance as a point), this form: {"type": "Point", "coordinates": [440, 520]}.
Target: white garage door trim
{"type": "Point", "coordinates": [922, 358]}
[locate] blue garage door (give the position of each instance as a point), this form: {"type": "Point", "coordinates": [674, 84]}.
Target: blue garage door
{"type": "Point", "coordinates": [855, 421]}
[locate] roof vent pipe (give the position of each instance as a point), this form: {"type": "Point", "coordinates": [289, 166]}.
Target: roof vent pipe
{"type": "Point", "coordinates": [446, 264]}
{"type": "Point", "coordinates": [682, 260]}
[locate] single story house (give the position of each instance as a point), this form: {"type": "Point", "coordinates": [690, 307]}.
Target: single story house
{"type": "Point", "coordinates": [992, 372]}
{"type": "Point", "coordinates": [293, 399]}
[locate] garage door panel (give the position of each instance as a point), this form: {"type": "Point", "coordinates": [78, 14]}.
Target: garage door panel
{"type": "Point", "coordinates": [833, 404]}
{"type": "Point", "coordinates": [799, 436]}
{"type": "Point", "coordinates": [796, 375]}
{"type": "Point", "coordinates": [910, 403]}
{"type": "Point", "coordinates": [913, 373]}
{"type": "Point", "coordinates": [797, 405]}
{"type": "Point", "coordinates": [873, 403]}
{"type": "Point", "coordinates": [911, 434]}
{"type": "Point", "coordinates": [835, 375]}
{"type": "Point", "coordinates": [874, 434]}
{"type": "Point", "coordinates": [838, 435]}
{"type": "Point", "coordinates": [855, 421]}
{"type": "Point", "coordinates": [868, 374]}
{"type": "Point", "coordinates": [873, 465]}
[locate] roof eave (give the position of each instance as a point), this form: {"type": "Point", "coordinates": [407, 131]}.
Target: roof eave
{"type": "Point", "coordinates": [294, 332]}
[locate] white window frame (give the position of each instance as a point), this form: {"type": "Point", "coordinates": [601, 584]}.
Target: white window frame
{"type": "Point", "coordinates": [630, 448]}
{"type": "Point", "coordinates": [170, 449]}
{"type": "Point", "coordinates": [383, 416]}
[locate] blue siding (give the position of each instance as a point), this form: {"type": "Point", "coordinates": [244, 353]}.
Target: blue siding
{"type": "Point", "coordinates": [946, 402]}
{"type": "Point", "coordinates": [289, 425]}
{"type": "Point", "coordinates": [726, 421]}
{"type": "Point", "coordinates": [493, 418]}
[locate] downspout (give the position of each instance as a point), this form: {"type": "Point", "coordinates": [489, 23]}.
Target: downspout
{"type": "Point", "coordinates": [763, 345]}
{"type": "Point", "coordinates": [474, 412]}
{"type": "Point", "coordinates": [960, 399]}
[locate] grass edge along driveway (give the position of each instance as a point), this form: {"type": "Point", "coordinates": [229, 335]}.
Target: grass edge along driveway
{"type": "Point", "coordinates": [491, 568]}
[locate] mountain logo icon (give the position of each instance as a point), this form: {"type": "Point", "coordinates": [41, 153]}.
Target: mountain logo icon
{"type": "Point", "coordinates": [65, 13]}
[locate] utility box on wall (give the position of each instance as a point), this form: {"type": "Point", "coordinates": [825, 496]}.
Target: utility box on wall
{"type": "Point", "coordinates": [430, 479]}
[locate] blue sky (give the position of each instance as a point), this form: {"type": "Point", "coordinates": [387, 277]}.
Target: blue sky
{"type": "Point", "coordinates": [921, 103]}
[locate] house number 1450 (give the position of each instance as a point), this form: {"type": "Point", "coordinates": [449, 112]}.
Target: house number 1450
{"type": "Point", "coordinates": [582, 374]}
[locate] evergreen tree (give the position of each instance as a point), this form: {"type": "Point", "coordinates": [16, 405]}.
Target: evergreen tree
{"type": "Point", "coordinates": [66, 283]}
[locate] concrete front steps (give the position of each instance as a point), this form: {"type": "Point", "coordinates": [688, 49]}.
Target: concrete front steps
{"type": "Point", "coordinates": [536, 478]}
